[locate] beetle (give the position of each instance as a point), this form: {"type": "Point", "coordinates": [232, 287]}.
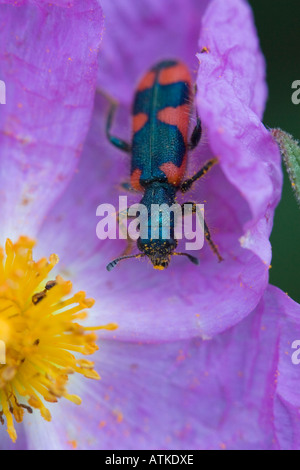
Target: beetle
{"type": "Point", "coordinates": [159, 148]}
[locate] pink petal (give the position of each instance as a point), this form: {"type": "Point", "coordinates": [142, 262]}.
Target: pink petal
{"type": "Point", "coordinates": [231, 98]}
{"type": "Point", "coordinates": [49, 65]}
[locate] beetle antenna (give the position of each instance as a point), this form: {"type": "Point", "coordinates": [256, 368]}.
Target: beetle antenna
{"type": "Point", "coordinates": [114, 263]}
{"type": "Point", "coordinates": [190, 257]}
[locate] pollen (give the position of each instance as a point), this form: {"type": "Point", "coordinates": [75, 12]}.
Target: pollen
{"type": "Point", "coordinates": [42, 337]}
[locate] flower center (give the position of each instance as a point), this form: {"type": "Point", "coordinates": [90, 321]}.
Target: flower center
{"type": "Point", "coordinates": [39, 335]}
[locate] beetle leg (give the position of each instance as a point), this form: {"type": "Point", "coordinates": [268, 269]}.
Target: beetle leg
{"type": "Point", "coordinates": [193, 204]}
{"type": "Point", "coordinates": [128, 249]}
{"type": "Point", "coordinates": [127, 186]}
{"type": "Point", "coordinates": [186, 185]}
{"type": "Point", "coordinates": [120, 225]}
{"type": "Point", "coordinates": [196, 134]}
{"type": "Point", "coordinates": [119, 143]}
{"type": "Point", "coordinates": [211, 243]}
{"type": "Point", "coordinates": [130, 242]}
{"type": "Point", "coordinates": [206, 230]}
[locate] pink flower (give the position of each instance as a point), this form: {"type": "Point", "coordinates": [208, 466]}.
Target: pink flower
{"type": "Point", "coordinates": [202, 358]}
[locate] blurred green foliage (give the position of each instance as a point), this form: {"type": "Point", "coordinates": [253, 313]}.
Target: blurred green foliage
{"type": "Point", "coordinates": [278, 29]}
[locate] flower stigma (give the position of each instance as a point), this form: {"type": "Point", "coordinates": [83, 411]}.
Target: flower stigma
{"type": "Point", "coordinates": [39, 330]}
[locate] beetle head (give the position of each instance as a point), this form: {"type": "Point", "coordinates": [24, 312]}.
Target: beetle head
{"type": "Point", "coordinates": [158, 251]}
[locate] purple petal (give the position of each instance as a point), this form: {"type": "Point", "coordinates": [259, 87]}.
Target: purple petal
{"type": "Point", "coordinates": [229, 34]}
{"type": "Point", "coordinates": [287, 406]}
{"type": "Point", "coordinates": [138, 34]}
{"type": "Point", "coordinates": [287, 422]}
{"type": "Point", "coordinates": [43, 435]}
{"type": "Point", "coordinates": [192, 394]}
{"type": "Point", "coordinates": [231, 98]}
{"type": "Point", "coordinates": [49, 65]}
{"type": "Point", "coordinates": [225, 393]}
{"type": "Point", "coordinates": [6, 442]}
{"type": "Point", "coordinates": [62, 3]}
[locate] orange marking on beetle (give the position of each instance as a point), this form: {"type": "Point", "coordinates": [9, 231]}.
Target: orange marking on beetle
{"type": "Point", "coordinates": [147, 81]}
{"type": "Point", "coordinates": [174, 173]}
{"type": "Point", "coordinates": [135, 180]}
{"type": "Point", "coordinates": [178, 116]}
{"type": "Point", "coordinates": [175, 73]}
{"type": "Point", "coordinates": [138, 121]}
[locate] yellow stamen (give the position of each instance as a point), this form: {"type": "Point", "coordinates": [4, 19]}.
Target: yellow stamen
{"type": "Point", "coordinates": [40, 334]}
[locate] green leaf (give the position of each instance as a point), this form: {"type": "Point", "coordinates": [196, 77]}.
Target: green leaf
{"type": "Point", "coordinates": [290, 151]}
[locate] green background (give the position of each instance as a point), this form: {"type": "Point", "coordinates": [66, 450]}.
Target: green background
{"type": "Point", "coordinates": [278, 23]}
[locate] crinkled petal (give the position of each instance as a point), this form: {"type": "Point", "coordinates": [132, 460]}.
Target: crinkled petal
{"type": "Point", "coordinates": [49, 64]}
{"type": "Point", "coordinates": [230, 99]}
{"type": "Point", "coordinates": [138, 34]}
{"type": "Point", "coordinates": [229, 34]}
{"type": "Point", "coordinates": [287, 405]}
{"type": "Point", "coordinates": [192, 394]}
{"type": "Point", "coordinates": [287, 421]}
